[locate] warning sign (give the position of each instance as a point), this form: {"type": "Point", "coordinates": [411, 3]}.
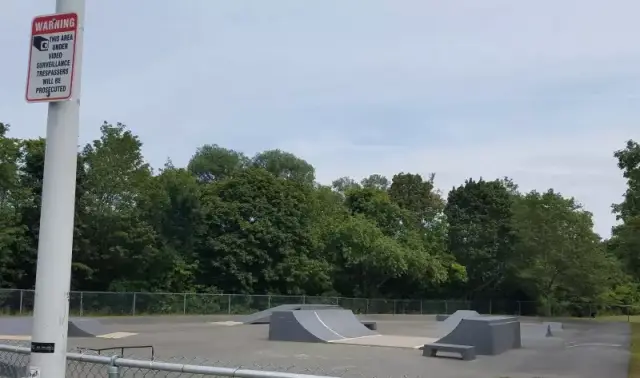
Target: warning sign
{"type": "Point", "coordinates": [51, 57]}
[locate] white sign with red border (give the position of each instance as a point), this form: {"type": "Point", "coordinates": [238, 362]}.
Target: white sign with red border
{"type": "Point", "coordinates": [51, 58]}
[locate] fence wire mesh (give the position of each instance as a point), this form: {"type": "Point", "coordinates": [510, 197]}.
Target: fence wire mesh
{"type": "Point", "coordinates": [86, 303]}
{"type": "Point", "coordinates": [88, 363]}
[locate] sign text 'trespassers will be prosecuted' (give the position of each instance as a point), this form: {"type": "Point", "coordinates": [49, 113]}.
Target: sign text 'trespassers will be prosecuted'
{"type": "Point", "coordinates": [51, 58]}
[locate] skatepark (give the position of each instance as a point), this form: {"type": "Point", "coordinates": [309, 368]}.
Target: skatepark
{"type": "Point", "coordinates": [333, 341]}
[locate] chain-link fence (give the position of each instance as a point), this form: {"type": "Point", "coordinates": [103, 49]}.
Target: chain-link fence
{"type": "Point", "coordinates": [14, 363]}
{"type": "Point", "coordinates": [87, 303]}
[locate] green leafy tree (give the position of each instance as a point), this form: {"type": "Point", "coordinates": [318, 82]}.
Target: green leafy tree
{"type": "Point", "coordinates": [259, 236]}
{"type": "Point", "coordinates": [416, 195]}
{"type": "Point", "coordinates": [14, 242]}
{"type": "Point", "coordinates": [480, 234]}
{"type": "Point", "coordinates": [285, 165]}
{"type": "Point", "coordinates": [376, 182]}
{"type": "Point", "coordinates": [213, 163]}
{"type": "Point", "coordinates": [229, 223]}
{"type": "Point", "coordinates": [559, 257]}
{"type": "Point", "coordinates": [343, 184]}
{"type": "Point", "coordinates": [625, 241]}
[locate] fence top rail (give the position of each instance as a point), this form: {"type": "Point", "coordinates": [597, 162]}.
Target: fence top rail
{"type": "Point", "coordinates": [170, 367]}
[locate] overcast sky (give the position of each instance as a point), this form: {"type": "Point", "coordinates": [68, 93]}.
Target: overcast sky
{"type": "Point", "coordinates": [541, 91]}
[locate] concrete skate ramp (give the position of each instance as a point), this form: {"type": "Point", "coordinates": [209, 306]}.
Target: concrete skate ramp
{"type": "Point", "coordinates": [264, 317]}
{"type": "Point", "coordinates": [77, 327]}
{"type": "Point", "coordinates": [316, 326]}
{"type": "Point", "coordinates": [490, 335]}
{"type": "Point", "coordinates": [86, 328]}
{"type": "Point", "coordinates": [447, 325]}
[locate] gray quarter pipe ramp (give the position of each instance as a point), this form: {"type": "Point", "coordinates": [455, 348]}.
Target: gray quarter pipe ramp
{"type": "Point", "coordinates": [490, 335]}
{"type": "Point", "coordinates": [78, 327]}
{"type": "Point", "coordinates": [264, 317]}
{"type": "Point", "coordinates": [456, 316]}
{"type": "Point", "coordinates": [447, 325]}
{"type": "Point", "coordinates": [86, 328]}
{"type": "Point", "coordinates": [319, 326]}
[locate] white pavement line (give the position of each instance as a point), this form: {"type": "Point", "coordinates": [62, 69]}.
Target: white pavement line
{"type": "Point", "coordinates": [116, 335]}
{"type": "Point", "coordinates": [594, 344]}
{"type": "Point", "coordinates": [15, 337]}
{"type": "Point", "coordinates": [226, 323]}
{"type": "Point", "coordinates": [327, 327]}
{"type": "Point", "coordinates": [352, 338]}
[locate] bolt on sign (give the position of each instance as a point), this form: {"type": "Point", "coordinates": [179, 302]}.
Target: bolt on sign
{"type": "Point", "coordinates": [51, 58]}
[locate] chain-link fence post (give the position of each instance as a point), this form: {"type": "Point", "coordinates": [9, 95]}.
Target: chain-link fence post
{"type": "Point", "coordinates": [229, 304]}
{"type": "Point", "coordinates": [304, 299]}
{"type": "Point", "coordinates": [268, 301]}
{"type": "Point", "coordinates": [184, 304]}
{"type": "Point", "coordinates": [112, 370]}
{"type": "Point", "coordinates": [133, 305]}
{"type": "Point", "coordinates": [81, 303]}
{"type": "Point", "coordinates": [420, 306]}
{"type": "Point", "coordinates": [21, 295]}
{"type": "Point", "coordinates": [366, 305]}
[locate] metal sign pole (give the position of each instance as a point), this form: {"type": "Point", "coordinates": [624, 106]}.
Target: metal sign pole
{"type": "Point", "coordinates": [61, 49]}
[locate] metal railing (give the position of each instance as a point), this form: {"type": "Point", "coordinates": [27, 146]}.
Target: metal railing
{"type": "Point", "coordinates": [122, 349]}
{"type": "Point", "coordinates": [92, 303]}
{"type": "Point", "coordinates": [14, 363]}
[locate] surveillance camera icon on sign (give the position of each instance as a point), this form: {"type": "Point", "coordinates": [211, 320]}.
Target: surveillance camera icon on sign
{"type": "Point", "coordinates": [41, 43]}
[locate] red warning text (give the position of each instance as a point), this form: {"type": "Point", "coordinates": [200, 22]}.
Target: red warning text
{"type": "Point", "coordinates": [58, 23]}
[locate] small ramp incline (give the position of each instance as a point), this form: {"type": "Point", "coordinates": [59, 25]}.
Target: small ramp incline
{"type": "Point", "coordinates": [316, 326]}
{"type": "Point", "coordinates": [264, 317]}
{"type": "Point", "coordinates": [12, 327]}
{"type": "Point", "coordinates": [451, 322]}
{"type": "Point", "coordinates": [86, 328]}
{"type": "Point", "coordinates": [490, 335]}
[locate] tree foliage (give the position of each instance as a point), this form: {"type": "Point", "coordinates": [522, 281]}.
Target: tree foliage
{"type": "Point", "coordinates": [262, 224]}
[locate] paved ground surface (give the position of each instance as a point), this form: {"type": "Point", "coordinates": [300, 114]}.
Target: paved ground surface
{"type": "Point", "coordinates": [585, 349]}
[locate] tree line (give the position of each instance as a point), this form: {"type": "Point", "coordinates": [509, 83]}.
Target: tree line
{"type": "Point", "coordinates": [232, 223]}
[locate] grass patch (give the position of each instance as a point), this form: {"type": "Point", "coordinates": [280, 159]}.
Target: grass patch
{"type": "Point", "coordinates": [634, 320]}
{"type": "Point", "coordinates": [634, 363]}
{"type": "Point", "coordinates": [620, 318]}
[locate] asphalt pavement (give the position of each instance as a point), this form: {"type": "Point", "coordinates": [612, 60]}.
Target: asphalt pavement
{"type": "Point", "coordinates": [585, 349]}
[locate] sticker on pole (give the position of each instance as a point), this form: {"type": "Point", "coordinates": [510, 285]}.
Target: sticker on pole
{"type": "Point", "coordinates": [51, 57]}
{"type": "Point", "coordinates": [34, 372]}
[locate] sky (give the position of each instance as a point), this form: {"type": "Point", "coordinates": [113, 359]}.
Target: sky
{"type": "Point", "coordinates": [540, 91]}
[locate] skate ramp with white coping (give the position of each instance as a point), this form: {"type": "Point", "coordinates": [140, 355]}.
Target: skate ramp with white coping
{"type": "Point", "coordinates": [490, 335]}
{"type": "Point", "coordinates": [264, 317]}
{"type": "Point", "coordinates": [451, 322]}
{"type": "Point", "coordinates": [335, 327]}
{"type": "Point", "coordinates": [316, 326]}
